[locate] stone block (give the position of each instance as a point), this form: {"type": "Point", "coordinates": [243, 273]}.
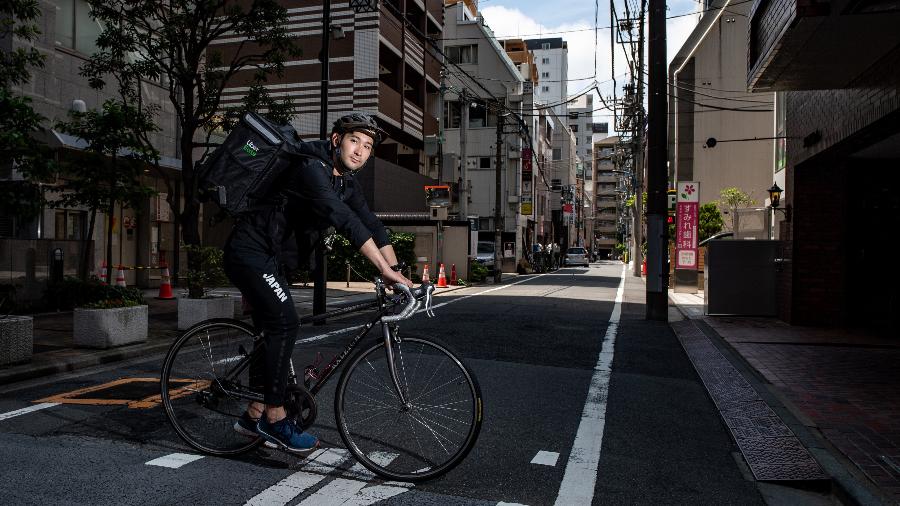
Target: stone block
{"type": "Point", "coordinates": [194, 311]}
{"type": "Point", "coordinates": [105, 328]}
{"type": "Point", "coordinates": [16, 339]}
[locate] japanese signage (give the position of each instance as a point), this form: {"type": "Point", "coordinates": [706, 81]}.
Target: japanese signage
{"type": "Point", "coordinates": [687, 225]}
{"type": "Point", "coordinates": [527, 178]}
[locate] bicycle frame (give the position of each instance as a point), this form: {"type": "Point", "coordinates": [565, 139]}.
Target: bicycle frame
{"type": "Point", "coordinates": [329, 370]}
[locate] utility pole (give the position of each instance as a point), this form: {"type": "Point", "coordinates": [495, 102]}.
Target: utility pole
{"type": "Point", "coordinates": [320, 276]}
{"type": "Point", "coordinates": [463, 178]}
{"type": "Point", "coordinates": [637, 164]}
{"type": "Point", "coordinates": [657, 172]}
{"type": "Point", "coordinates": [498, 206]}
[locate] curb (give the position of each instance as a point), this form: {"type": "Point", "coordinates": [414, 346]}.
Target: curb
{"type": "Point", "coordinates": [846, 486]}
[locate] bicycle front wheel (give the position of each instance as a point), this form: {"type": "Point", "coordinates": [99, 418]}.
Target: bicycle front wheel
{"type": "Point", "coordinates": [431, 433]}
{"type": "Point", "coordinates": [198, 392]}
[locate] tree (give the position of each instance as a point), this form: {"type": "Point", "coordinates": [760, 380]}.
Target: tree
{"type": "Point", "coordinates": [710, 221]}
{"type": "Point", "coordinates": [731, 200]}
{"type": "Point", "coordinates": [19, 122]}
{"type": "Point", "coordinates": [175, 43]}
{"type": "Point", "coordinates": [110, 168]}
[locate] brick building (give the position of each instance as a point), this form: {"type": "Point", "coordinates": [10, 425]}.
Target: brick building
{"type": "Point", "coordinates": [841, 115]}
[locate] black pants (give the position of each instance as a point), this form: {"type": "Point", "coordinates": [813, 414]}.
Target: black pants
{"type": "Point", "coordinates": [259, 279]}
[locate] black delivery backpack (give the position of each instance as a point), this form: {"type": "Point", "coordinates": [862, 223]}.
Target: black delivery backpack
{"type": "Point", "coordinates": [242, 169]}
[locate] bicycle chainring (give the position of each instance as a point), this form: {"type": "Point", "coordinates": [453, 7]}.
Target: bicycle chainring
{"type": "Point", "coordinates": [300, 405]}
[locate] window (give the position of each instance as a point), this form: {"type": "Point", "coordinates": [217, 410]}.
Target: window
{"type": "Point", "coordinates": [545, 89]}
{"type": "Point", "coordinates": [484, 162]}
{"type": "Point", "coordinates": [545, 45]}
{"type": "Point", "coordinates": [545, 75]}
{"type": "Point", "coordinates": [555, 185]}
{"type": "Point", "coordinates": [452, 114]}
{"type": "Point", "coordinates": [780, 144]}
{"type": "Point", "coordinates": [70, 224]}
{"type": "Point", "coordinates": [462, 54]}
{"type": "Point", "coordinates": [573, 115]}
{"type": "Point", "coordinates": [74, 27]}
{"type": "Point", "coordinates": [545, 61]}
{"type": "Point", "coordinates": [557, 154]}
{"type": "Point", "coordinates": [574, 128]}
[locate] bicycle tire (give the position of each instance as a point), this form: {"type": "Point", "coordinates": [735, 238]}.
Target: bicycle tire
{"type": "Point", "coordinates": [189, 397]}
{"type": "Point", "coordinates": [391, 457]}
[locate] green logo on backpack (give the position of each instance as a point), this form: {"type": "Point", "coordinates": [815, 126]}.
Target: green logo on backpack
{"type": "Point", "coordinates": [250, 148]}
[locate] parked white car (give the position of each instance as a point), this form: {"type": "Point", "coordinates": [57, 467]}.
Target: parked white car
{"type": "Point", "coordinates": [576, 256]}
{"type": "Point", "coordinates": [485, 254]}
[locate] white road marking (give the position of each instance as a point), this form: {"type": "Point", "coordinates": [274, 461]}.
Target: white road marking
{"type": "Point", "coordinates": [371, 495]}
{"type": "Point", "coordinates": [325, 461]}
{"type": "Point", "coordinates": [580, 477]}
{"type": "Point", "coordinates": [436, 306]}
{"type": "Point", "coordinates": [361, 473]}
{"type": "Point", "coordinates": [286, 490]}
{"type": "Point", "coordinates": [335, 493]}
{"type": "Point", "coordinates": [545, 458]}
{"type": "Point", "coordinates": [509, 504]}
{"type": "Point", "coordinates": [29, 409]}
{"type": "Point", "coordinates": [174, 460]}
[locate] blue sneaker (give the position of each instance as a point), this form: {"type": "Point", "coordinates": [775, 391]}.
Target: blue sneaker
{"type": "Point", "coordinates": [286, 435]}
{"type": "Point", "coordinates": [246, 426]}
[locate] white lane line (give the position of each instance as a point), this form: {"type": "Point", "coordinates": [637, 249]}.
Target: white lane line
{"type": "Point", "coordinates": [335, 493]}
{"type": "Point", "coordinates": [580, 477]}
{"type": "Point", "coordinates": [545, 458]}
{"type": "Point", "coordinates": [436, 306]}
{"type": "Point", "coordinates": [25, 411]}
{"type": "Point", "coordinates": [174, 460]}
{"type": "Point", "coordinates": [509, 504]}
{"type": "Point", "coordinates": [285, 490]}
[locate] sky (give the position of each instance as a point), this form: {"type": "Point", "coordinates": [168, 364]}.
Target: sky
{"type": "Point", "coordinates": [573, 20]}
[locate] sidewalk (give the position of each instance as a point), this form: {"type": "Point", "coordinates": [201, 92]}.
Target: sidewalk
{"type": "Point", "coordinates": [842, 383]}
{"type": "Point", "coordinates": [54, 351]}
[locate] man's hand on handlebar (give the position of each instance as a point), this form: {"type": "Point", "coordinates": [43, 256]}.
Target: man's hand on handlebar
{"type": "Point", "coordinates": [390, 277]}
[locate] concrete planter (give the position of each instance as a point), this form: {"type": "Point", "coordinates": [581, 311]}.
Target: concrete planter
{"type": "Point", "coordinates": [16, 339]}
{"type": "Point", "coordinates": [105, 328]}
{"type": "Point", "coordinates": [194, 311]}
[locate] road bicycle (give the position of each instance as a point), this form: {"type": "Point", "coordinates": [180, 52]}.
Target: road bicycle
{"type": "Point", "coordinates": [408, 409]}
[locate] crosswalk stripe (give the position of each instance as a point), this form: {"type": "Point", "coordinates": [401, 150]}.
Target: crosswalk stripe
{"type": "Point", "coordinates": [337, 492]}
{"type": "Point", "coordinates": [286, 490]}
{"type": "Point", "coordinates": [371, 495]}
{"type": "Point", "coordinates": [29, 409]}
{"type": "Point", "coordinates": [174, 460]}
{"type": "Point", "coordinates": [361, 473]}
{"type": "Point", "coordinates": [325, 461]}
{"type": "Point", "coordinates": [545, 458]}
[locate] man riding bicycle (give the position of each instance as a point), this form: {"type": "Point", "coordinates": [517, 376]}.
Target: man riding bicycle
{"type": "Point", "coordinates": [318, 193]}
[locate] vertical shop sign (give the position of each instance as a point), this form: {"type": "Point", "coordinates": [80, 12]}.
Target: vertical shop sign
{"type": "Point", "coordinates": [687, 225]}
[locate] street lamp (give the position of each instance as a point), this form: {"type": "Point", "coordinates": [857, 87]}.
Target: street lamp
{"type": "Point", "coordinates": [775, 199]}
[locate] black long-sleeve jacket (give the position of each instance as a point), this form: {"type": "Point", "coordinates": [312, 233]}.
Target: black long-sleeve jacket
{"type": "Point", "coordinates": [315, 200]}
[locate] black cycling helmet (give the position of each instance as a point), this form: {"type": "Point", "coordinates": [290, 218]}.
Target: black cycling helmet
{"type": "Point", "coordinates": [358, 122]}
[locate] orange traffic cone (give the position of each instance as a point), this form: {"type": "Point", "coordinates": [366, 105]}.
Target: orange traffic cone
{"type": "Point", "coordinates": [644, 267]}
{"type": "Point", "coordinates": [120, 277]}
{"type": "Point", "coordinates": [442, 278]}
{"type": "Point", "coordinates": [103, 273]}
{"type": "Point", "coordinates": [425, 277]}
{"type": "Point", "coordinates": [165, 285]}
{"type": "Point", "coordinates": [453, 279]}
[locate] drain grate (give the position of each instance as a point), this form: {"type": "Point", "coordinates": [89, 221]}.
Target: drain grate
{"type": "Point", "coordinates": [769, 446]}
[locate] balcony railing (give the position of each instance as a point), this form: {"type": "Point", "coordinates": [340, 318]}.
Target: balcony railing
{"type": "Point", "coordinates": [390, 29]}
{"type": "Point", "coordinates": [389, 102]}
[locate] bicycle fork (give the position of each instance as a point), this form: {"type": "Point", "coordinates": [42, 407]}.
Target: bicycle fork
{"type": "Point", "coordinates": [389, 338]}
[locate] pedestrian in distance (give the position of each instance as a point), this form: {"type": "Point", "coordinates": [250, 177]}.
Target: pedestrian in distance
{"type": "Point", "coordinates": [277, 235]}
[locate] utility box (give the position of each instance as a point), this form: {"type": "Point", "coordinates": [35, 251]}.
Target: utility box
{"type": "Point", "coordinates": [740, 277]}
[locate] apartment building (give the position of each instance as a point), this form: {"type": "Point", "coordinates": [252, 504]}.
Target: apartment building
{"type": "Point", "coordinates": [551, 56]}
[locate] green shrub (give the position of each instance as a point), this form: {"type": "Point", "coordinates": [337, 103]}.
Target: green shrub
{"type": "Point", "coordinates": [361, 269]}
{"type": "Point", "coordinates": [208, 274]}
{"type": "Point", "coordinates": [72, 292]}
{"type": "Point", "coordinates": [477, 272]}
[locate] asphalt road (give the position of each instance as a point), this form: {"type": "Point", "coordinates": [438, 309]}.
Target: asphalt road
{"type": "Point", "coordinates": [568, 419]}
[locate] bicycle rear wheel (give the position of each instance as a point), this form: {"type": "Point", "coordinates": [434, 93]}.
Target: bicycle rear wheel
{"type": "Point", "coordinates": [427, 437]}
{"type": "Point", "coordinates": [195, 389]}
